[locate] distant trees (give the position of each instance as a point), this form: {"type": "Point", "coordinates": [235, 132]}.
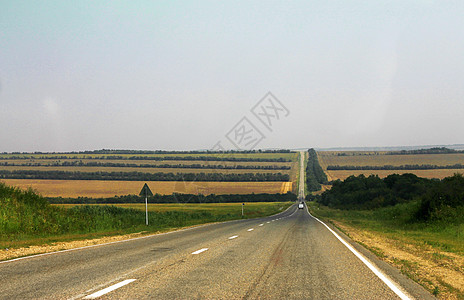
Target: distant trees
{"type": "Point", "coordinates": [80, 163]}
{"type": "Point", "coordinates": [315, 175]}
{"type": "Point", "coordinates": [113, 151]}
{"type": "Point", "coordinates": [139, 176]}
{"type": "Point", "coordinates": [153, 158]}
{"type": "Point", "coordinates": [435, 150]}
{"type": "Point", "coordinates": [110, 151]}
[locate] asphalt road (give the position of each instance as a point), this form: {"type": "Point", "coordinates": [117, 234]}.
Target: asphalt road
{"type": "Point", "coordinates": [291, 255]}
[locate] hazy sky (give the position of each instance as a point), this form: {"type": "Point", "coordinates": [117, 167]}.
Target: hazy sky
{"type": "Point", "coordinates": [77, 75]}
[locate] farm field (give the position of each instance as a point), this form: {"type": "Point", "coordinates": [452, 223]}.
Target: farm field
{"type": "Point", "coordinates": [331, 158]}
{"type": "Point", "coordinates": [342, 174]}
{"type": "Point", "coordinates": [102, 189]}
{"type": "Point", "coordinates": [140, 163]}
{"type": "Point", "coordinates": [148, 162]}
{"type": "Point", "coordinates": [352, 158]}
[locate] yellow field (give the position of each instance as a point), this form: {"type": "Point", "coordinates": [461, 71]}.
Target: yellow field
{"type": "Point", "coordinates": [101, 189]}
{"type": "Point", "coordinates": [91, 188]}
{"type": "Point", "coordinates": [353, 158]}
{"type": "Point", "coordinates": [342, 174]}
{"type": "Point", "coordinates": [327, 158]}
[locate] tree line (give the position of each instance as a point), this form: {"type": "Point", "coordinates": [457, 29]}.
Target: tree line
{"type": "Point", "coordinates": [390, 167]}
{"type": "Point", "coordinates": [139, 176]}
{"type": "Point", "coordinates": [154, 158]}
{"type": "Point", "coordinates": [80, 163]}
{"type": "Point", "coordinates": [114, 151]}
{"type": "Point", "coordinates": [315, 176]}
{"type": "Point", "coordinates": [435, 150]}
{"type": "Point", "coordinates": [179, 198]}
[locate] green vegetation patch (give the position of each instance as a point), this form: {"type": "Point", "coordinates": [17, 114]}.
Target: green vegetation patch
{"type": "Point", "coordinates": [315, 176]}
{"type": "Point", "coordinates": [27, 218]}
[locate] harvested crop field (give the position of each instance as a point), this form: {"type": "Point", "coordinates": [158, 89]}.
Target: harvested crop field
{"type": "Point", "coordinates": [101, 189]}
{"type": "Point", "coordinates": [379, 159]}
{"type": "Point", "coordinates": [109, 172]}
{"type": "Point", "coordinates": [142, 170]}
{"type": "Point", "coordinates": [342, 174]}
{"type": "Point", "coordinates": [329, 158]}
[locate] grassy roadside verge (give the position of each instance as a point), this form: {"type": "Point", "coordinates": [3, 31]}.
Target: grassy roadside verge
{"type": "Point", "coordinates": [125, 219]}
{"type": "Point", "coordinates": [27, 219]}
{"type": "Point", "coordinates": [430, 254]}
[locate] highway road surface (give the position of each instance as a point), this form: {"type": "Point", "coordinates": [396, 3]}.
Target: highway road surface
{"type": "Point", "coordinates": [291, 255]}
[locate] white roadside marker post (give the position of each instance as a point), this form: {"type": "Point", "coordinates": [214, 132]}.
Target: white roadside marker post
{"type": "Point", "coordinates": [146, 208]}
{"type": "Point", "coordinates": [146, 192]}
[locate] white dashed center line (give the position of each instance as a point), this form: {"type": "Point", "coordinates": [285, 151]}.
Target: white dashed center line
{"type": "Point", "coordinates": [251, 229]}
{"type": "Point", "coordinates": [261, 224]}
{"type": "Point", "coordinates": [109, 289]}
{"type": "Point", "coordinates": [233, 237]}
{"type": "Point", "coordinates": [199, 251]}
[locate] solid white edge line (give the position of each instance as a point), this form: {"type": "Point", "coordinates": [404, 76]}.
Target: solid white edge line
{"type": "Point", "coordinates": [109, 289]}
{"type": "Point", "coordinates": [251, 229]}
{"type": "Point", "coordinates": [374, 269]}
{"type": "Point", "coordinates": [233, 237]}
{"type": "Point", "coordinates": [199, 251]}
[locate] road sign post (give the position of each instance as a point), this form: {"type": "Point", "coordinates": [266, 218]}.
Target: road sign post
{"type": "Point", "coordinates": [146, 192]}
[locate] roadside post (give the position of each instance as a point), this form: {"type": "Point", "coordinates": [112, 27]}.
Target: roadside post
{"type": "Point", "coordinates": [243, 204]}
{"type": "Point", "coordinates": [146, 192]}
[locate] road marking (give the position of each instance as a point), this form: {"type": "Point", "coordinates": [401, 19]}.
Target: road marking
{"type": "Point", "coordinates": [268, 222]}
{"type": "Point", "coordinates": [251, 229]}
{"type": "Point", "coordinates": [109, 289]}
{"type": "Point", "coordinates": [199, 251]}
{"type": "Point", "coordinates": [233, 237]}
{"type": "Point", "coordinates": [261, 224]}
{"type": "Point", "coordinates": [374, 269]}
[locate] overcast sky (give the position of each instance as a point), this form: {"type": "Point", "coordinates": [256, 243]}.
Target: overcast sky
{"type": "Point", "coordinates": [180, 75]}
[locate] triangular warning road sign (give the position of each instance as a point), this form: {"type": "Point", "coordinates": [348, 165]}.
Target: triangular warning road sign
{"type": "Point", "coordinates": [146, 191]}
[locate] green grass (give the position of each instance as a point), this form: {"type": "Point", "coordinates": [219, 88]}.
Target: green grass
{"type": "Point", "coordinates": [28, 219]}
